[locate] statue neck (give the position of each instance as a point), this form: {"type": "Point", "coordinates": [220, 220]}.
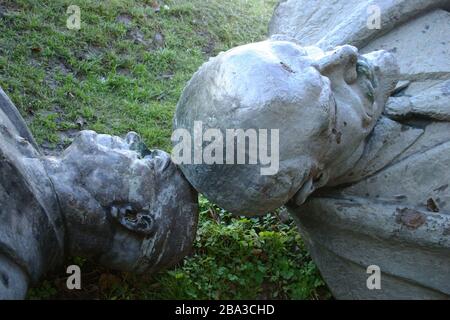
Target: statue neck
{"type": "Point", "coordinates": [32, 204]}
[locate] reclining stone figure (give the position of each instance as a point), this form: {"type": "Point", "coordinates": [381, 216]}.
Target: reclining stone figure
{"type": "Point", "coordinates": [106, 198]}
{"type": "Point", "coordinates": [364, 164]}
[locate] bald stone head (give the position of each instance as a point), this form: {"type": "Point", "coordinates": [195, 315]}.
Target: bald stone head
{"type": "Point", "coordinates": [322, 106]}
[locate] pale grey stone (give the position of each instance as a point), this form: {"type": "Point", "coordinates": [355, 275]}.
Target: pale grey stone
{"type": "Point", "coordinates": [429, 98]}
{"type": "Point", "coordinates": [331, 23]}
{"type": "Point", "coordinates": [427, 37]}
{"type": "Point", "coordinates": [346, 235]}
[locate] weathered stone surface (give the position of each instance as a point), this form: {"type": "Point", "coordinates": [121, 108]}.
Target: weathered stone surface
{"type": "Point", "coordinates": [427, 37]}
{"type": "Point", "coordinates": [13, 280]}
{"type": "Point", "coordinates": [107, 198]}
{"type": "Point", "coordinates": [414, 177]}
{"type": "Point", "coordinates": [331, 23]}
{"type": "Point", "coordinates": [427, 99]}
{"type": "Point", "coordinates": [346, 235]}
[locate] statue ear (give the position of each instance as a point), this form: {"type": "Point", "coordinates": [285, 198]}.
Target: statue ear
{"type": "Point", "coordinates": [139, 221]}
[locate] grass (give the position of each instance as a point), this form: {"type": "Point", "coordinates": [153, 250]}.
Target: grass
{"type": "Point", "coordinates": [124, 70]}
{"type": "Point", "coordinates": [111, 76]}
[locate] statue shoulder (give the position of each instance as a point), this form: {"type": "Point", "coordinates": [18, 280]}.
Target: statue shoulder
{"type": "Point", "coordinates": [10, 114]}
{"type": "Point", "coordinates": [332, 23]}
{"type": "Point", "coordinates": [417, 176]}
{"type": "Point", "coordinates": [31, 226]}
{"type": "Point", "coordinates": [388, 140]}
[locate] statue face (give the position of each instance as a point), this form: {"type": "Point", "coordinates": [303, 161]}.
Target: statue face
{"type": "Point", "coordinates": [357, 87]}
{"type": "Point", "coordinates": [133, 203]}
{"type": "Point", "coordinates": [324, 104]}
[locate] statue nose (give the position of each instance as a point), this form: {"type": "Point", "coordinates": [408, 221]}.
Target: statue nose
{"type": "Point", "coordinates": [341, 56]}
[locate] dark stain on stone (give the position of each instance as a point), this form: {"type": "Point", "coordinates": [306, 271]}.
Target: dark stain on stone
{"type": "Point", "coordinates": [5, 279]}
{"type": "Point", "coordinates": [432, 205]}
{"type": "Point", "coordinates": [441, 188]}
{"type": "Point", "coordinates": [286, 67]}
{"type": "Point", "coordinates": [338, 135]}
{"type": "Point", "coordinates": [410, 218]}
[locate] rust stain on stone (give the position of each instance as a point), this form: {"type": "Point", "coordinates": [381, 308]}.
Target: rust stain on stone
{"type": "Point", "coordinates": [410, 218]}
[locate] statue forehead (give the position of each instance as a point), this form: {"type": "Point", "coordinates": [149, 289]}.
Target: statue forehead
{"type": "Point", "coordinates": [255, 74]}
{"type": "Point", "coordinates": [271, 50]}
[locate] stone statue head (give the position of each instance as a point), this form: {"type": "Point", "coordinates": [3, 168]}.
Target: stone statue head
{"type": "Point", "coordinates": [126, 206]}
{"type": "Point", "coordinates": [324, 105]}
